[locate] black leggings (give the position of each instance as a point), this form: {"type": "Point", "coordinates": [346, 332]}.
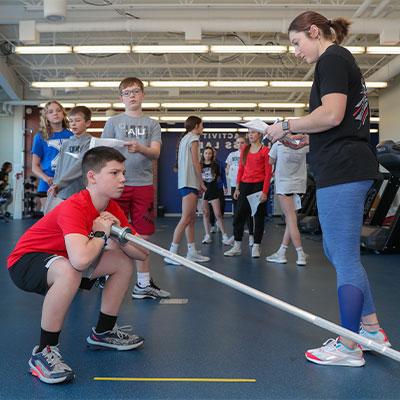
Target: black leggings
{"type": "Point", "coordinates": [249, 220]}
{"type": "Point", "coordinates": [243, 212]}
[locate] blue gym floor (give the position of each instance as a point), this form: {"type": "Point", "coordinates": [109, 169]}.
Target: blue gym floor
{"type": "Point", "coordinates": [219, 333]}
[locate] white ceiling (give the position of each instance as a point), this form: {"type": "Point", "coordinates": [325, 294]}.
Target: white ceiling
{"type": "Point", "coordinates": [172, 22]}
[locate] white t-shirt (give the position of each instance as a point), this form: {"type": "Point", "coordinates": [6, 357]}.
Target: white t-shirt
{"type": "Point", "coordinates": [233, 160]}
{"type": "Point", "coordinates": [290, 168]}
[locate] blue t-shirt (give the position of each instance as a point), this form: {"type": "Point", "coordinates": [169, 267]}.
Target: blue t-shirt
{"type": "Point", "coordinates": [47, 151]}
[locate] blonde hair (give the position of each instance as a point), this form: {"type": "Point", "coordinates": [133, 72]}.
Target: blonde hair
{"type": "Point", "coordinates": [45, 127]}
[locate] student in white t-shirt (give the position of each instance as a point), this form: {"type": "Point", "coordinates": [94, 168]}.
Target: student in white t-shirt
{"type": "Point", "coordinates": [232, 169]}
{"type": "Point", "coordinates": [290, 180]}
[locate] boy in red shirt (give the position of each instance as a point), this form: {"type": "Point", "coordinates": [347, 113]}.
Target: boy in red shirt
{"type": "Point", "coordinates": [73, 242]}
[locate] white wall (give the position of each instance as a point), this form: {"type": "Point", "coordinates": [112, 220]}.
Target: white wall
{"type": "Point", "coordinates": [11, 149]}
{"type": "Point", "coordinates": [389, 112]}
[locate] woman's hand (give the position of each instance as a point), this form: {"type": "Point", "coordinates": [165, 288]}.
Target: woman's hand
{"type": "Point", "coordinates": [263, 197]}
{"type": "Point", "coordinates": [297, 141]}
{"type": "Point", "coordinates": [48, 180]}
{"type": "Point", "coordinates": [53, 190]}
{"type": "Point", "coordinates": [236, 194]}
{"type": "Point", "coordinates": [203, 187]}
{"type": "Point", "coordinates": [275, 132]}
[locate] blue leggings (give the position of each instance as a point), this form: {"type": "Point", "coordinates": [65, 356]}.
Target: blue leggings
{"type": "Point", "coordinates": [340, 210]}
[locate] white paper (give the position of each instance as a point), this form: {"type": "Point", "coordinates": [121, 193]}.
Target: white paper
{"type": "Point", "coordinates": [96, 142]}
{"type": "Point", "coordinates": [254, 201]}
{"type": "Point", "coordinates": [256, 125]}
{"type": "Point", "coordinates": [297, 201]}
{"type": "Point", "coordinates": [74, 155]}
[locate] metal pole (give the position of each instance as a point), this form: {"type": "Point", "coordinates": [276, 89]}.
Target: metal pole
{"type": "Point", "coordinates": [124, 235]}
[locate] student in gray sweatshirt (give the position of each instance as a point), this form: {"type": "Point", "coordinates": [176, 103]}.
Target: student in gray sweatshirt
{"type": "Point", "coordinates": [68, 177]}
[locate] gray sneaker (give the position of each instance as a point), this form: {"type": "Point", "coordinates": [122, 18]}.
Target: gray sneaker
{"type": "Point", "coordinates": [151, 291]}
{"type": "Point", "coordinates": [195, 256]}
{"type": "Point", "coordinates": [117, 339]}
{"type": "Point", "coordinates": [49, 366]}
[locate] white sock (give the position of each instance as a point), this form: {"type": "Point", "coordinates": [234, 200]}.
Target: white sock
{"type": "Point", "coordinates": [143, 279]}
{"type": "Point", "coordinates": [191, 247]}
{"type": "Point", "coordinates": [174, 248]}
{"type": "Point", "coordinates": [282, 249]}
{"type": "Point", "coordinates": [300, 250]}
{"type": "Point", "coordinates": [225, 236]}
{"type": "Point", "coordinates": [256, 245]}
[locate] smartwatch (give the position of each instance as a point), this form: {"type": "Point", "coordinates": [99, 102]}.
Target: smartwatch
{"type": "Point", "coordinates": [285, 127]}
{"type": "Point", "coordinates": [100, 234]}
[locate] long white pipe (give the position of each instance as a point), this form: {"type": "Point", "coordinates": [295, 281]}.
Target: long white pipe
{"type": "Point", "coordinates": [123, 235]}
{"type": "Point", "coordinates": [359, 25]}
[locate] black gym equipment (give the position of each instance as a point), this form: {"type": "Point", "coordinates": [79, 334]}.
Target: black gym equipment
{"type": "Point", "coordinates": [375, 234]}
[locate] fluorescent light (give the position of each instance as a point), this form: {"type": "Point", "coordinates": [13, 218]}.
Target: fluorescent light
{"type": "Point", "coordinates": [290, 84]}
{"type": "Point", "coordinates": [102, 49]}
{"type": "Point", "coordinates": [170, 49]}
{"type": "Point", "coordinates": [239, 84]}
{"type": "Point", "coordinates": [383, 49]}
{"type": "Point", "coordinates": [65, 105]}
{"type": "Point", "coordinates": [111, 84]}
{"type": "Point", "coordinates": [178, 83]}
{"type": "Point", "coordinates": [95, 105]}
{"type": "Point", "coordinates": [94, 130]}
{"type": "Point", "coordinates": [374, 119]}
{"type": "Point", "coordinates": [176, 130]}
{"type": "Point", "coordinates": [249, 49]}
{"type": "Point", "coordinates": [164, 129]}
{"type": "Point", "coordinates": [268, 118]}
{"type": "Point", "coordinates": [221, 130]}
{"type": "Point", "coordinates": [155, 117]}
{"type": "Point", "coordinates": [373, 130]}
{"type": "Point", "coordinates": [376, 85]}
{"type": "Point", "coordinates": [355, 49]}
{"type": "Point", "coordinates": [43, 49]}
{"type": "Point", "coordinates": [60, 84]}
{"type": "Point", "coordinates": [100, 118]}
{"type": "Point", "coordinates": [281, 105]}
{"type": "Point", "coordinates": [170, 118]}
{"type": "Point", "coordinates": [352, 49]}
{"type": "Point", "coordinates": [241, 130]}
{"type": "Point", "coordinates": [225, 118]}
{"type": "Point", "coordinates": [184, 105]}
{"type": "Point", "coordinates": [233, 105]}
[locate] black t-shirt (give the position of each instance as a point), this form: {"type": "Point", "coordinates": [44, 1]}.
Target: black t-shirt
{"type": "Point", "coordinates": [342, 154]}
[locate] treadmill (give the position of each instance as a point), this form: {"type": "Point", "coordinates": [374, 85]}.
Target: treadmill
{"type": "Point", "coordinates": [375, 235]}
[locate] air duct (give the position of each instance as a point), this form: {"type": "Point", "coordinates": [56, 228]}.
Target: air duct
{"type": "Point", "coordinates": [55, 10]}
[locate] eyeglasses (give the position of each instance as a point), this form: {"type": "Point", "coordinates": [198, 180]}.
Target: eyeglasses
{"type": "Point", "coordinates": [127, 93]}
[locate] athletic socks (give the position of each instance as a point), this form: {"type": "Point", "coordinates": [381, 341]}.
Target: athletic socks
{"type": "Point", "coordinates": [174, 248]}
{"type": "Point", "coordinates": [191, 247]}
{"type": "Point", "coordinates": [282, 250]}
{"type": "Point", "coordinates": [105, 323]}
{"type": "Point", "coordinates": [48, 339]}
{"type": "Point", "coordinates": [143, 279]}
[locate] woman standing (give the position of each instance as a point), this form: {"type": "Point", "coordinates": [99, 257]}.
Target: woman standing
{"type": "Point", "coordinates": [190, 184]}
{"type": "Point", "coordinates": [254, 176]}
{"type": "Point", "coordinates": [344, 165]}
{"type": "Point", "coordinates": [290, 180]}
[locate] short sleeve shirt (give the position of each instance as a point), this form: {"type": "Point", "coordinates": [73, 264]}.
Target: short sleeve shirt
{"type": "Point", "coordinates": [139, 168]}
{"type": "Point", "coordinates": [187, 176]}
{"type": "Point", "coordinates": [233, 162]}
{"type": "Point", "coordinates": [342, 154]}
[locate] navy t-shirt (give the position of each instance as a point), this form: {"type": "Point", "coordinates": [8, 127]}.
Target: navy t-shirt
{"type": "Point", "coordinates": [342, 154]}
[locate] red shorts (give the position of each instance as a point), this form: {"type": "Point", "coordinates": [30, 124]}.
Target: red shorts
{"type": "Point", "coordinates": [137, 202]}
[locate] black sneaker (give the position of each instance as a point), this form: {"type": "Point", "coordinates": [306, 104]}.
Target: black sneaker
{"type": "Point", "coordinates": [151, 291]}
{"type": "Point", "coordinates": [117, 339]}
{"type": "Point", "coordinates": [49, 366]}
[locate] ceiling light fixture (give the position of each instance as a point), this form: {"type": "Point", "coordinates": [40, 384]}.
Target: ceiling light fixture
{"type": "Point", "coordinates": [290, 84]}
{"type": "Point", "coordinates": [170, 49]}
{"type": "Point", "coordinates": [238, 84]}
{"type": "Point", "coordinates": [281, 105]}
{"type": "Point", "coordinates": [43, 49]}
{"type": "Point", "coordinates": [249, 49]}
{"type": "Point", "coordinates": [60, 84]}
{"type": "Point", "coordinates": [102, 49]}
{"type": "Point", "coordinates": [383, 50]}
{"type": "Point", "coordinates": [184, 105]}
{"type": "Point", "coordinates": [178, 83]}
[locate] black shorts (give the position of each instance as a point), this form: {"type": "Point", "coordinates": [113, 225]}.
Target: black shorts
{"type": "Point", "coordinates": [212, 192]}
{"type": "Point", "coordinates": [29, 273]}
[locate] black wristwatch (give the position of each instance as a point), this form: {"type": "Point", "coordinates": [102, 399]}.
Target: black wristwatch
{"type": "Point", "coordinates": [100, 234]}
{"type": "Point", "coordinates": [285, 127]}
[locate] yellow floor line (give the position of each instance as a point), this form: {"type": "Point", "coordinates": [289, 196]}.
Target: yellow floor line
{"type": "Point", "coordinates": [234, 380]}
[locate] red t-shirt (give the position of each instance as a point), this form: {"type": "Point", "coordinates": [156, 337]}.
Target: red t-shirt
{"type": "Point", "coordinates": [256, 169]}
{"type": "Point", "coordinates": [74, 215]}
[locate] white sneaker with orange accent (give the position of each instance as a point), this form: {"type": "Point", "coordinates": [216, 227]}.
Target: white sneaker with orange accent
{"type": "Point", "coordinates": [378, 336]}
{"type": "Point", "coordinates": [333, 352]}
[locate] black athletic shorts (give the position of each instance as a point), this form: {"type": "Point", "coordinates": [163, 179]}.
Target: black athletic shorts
{"type": "Point", "coordinates": [212, 192]}
{"type": "Point", "coordinates": [29, 273]}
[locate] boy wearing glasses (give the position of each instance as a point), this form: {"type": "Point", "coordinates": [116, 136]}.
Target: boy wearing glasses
{"type": "Point", "coordinates": [143, 144]}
